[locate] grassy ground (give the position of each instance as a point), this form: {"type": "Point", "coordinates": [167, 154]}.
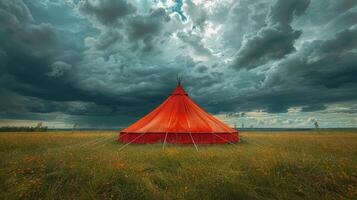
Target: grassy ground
{"type": "Point", "coordinates": [88, 165]}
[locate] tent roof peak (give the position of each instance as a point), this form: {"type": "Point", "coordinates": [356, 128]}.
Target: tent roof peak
{"type": "Point", "coordinates": [179, 80]}
{"type": "Point", "coordinates": [179, 90]}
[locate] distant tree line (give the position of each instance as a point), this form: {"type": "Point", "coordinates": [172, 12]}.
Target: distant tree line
{"type": "Point", "coordinates": [23, 129]}
{"type": "Point", "coordinates": [37, 128]}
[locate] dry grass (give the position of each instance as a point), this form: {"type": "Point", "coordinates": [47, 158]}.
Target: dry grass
{"type": "Point", "coordinates": [87, 165]}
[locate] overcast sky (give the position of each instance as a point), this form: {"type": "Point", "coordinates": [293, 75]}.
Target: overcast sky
{"type": "Point", "coordinates": [106, 63]}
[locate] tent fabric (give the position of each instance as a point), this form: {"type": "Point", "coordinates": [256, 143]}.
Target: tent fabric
{"type": "Point", "coordinates": [179, 120]}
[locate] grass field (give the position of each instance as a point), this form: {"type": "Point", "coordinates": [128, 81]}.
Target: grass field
{"type": "Point", "coordinates": [88, 165]}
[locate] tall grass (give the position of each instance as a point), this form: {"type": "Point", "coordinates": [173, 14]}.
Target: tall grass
{"type": "Point", "coordinates": [88, 165]}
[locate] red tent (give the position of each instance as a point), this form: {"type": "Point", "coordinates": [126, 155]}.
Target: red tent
{"type": "Point", "coordinates": [179, 120]}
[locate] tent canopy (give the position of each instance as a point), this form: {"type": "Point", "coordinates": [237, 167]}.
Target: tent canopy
{"type": "Point", "coordinates": [179, 117]}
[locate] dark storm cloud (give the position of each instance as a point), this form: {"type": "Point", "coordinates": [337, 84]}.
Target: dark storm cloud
{"type": "Point", "coordinates": [107, 63]}
{"type": "Point", "coordinates": [322, 72]}
{"type": "Point", "coordinates": [44, 74]}
{"type": "Point", "coordinates": [284, 11]}
{"type": "Point", "coordinates": [344, 41]}
{"type": "Point", "coordinates": [244, 17]}
{"type": "Point", "coordinates": [276, 39]}
{"type": "Point", "coordinates": [141, 27]}
{"type": "Point", "coordinates": [31, 50]}
{"type": "Point", "coordinates": [269, 44]}
{"type": "Point", "coordinates": [105, 40]}
{"type": "Point", "coordinates": [315, 107]}
{"type": "Point", "coordinates": [120, 20]}
{"type": "Point", "coordinates": [35, 63]}
{"type": "Point", "coordinates": [330, 63]}
{"type": "Point", "coordinates": [13, 12]}
{"type": "Point", "coordinates": [107, 12]}
{"type": "Point", "coordinates": [24, 104]}
{"type": "Point", "coordinates": [147, 28]}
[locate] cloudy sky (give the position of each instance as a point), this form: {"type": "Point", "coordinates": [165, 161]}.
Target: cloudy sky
{"type": "Point", "coordinates": [106, 63]}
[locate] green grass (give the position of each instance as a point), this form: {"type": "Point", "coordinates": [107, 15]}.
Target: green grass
{"type": "Point", "coordinates": [88, 165]}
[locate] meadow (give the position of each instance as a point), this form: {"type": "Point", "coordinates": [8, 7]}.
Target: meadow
{"type": "Point", "coordinates": [265, 165]}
